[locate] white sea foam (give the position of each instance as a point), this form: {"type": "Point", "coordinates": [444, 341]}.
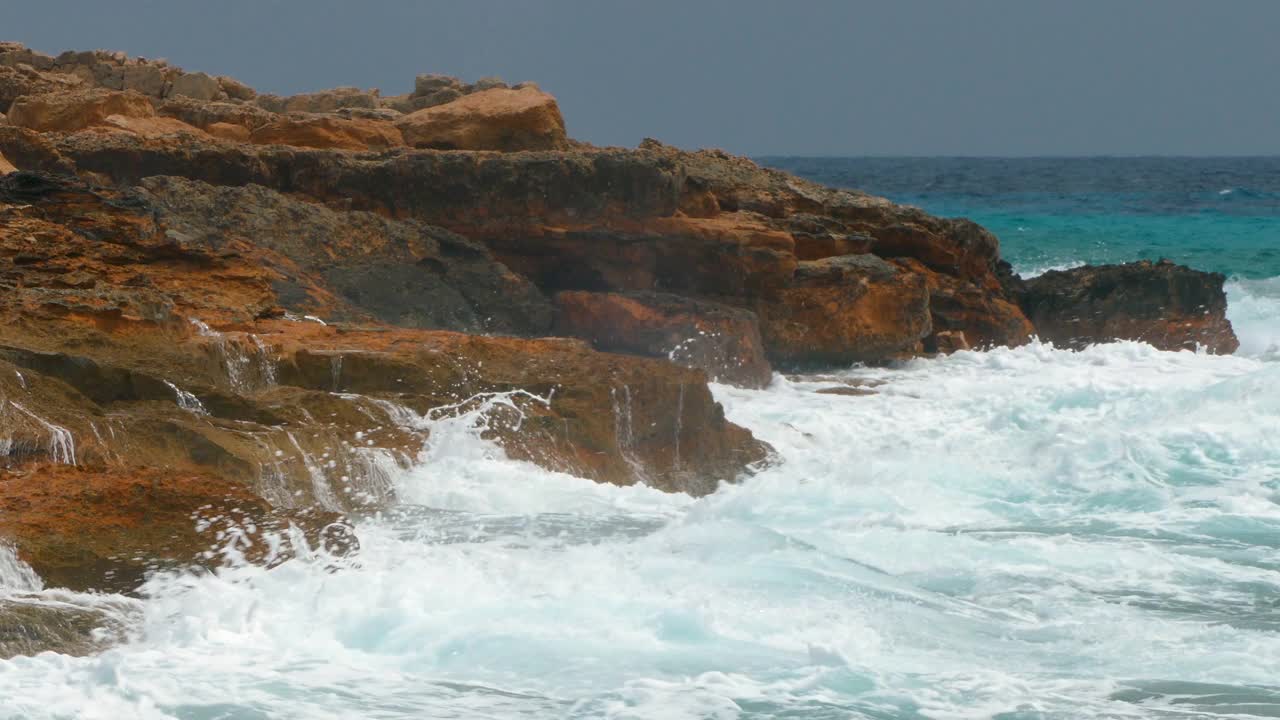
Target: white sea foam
{"type": "Point", "coordinates": [1018, 533]}
{"type": "Point", "coordinates": [1253, 306]}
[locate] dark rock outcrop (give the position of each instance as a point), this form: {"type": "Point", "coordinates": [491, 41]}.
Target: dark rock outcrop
{"type": "Point", "coordinates": [1172, 307]}
{"type": "Point", "coordinates": [404, 273]}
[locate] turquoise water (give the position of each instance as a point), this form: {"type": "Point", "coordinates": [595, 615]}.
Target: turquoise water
{"type": "Point", "coordinates": [1020, 534]}
{"type": "Point", "coordinates": [1212, 214]}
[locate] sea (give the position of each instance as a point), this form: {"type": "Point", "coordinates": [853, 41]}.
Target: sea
{"type": "Point", "coordinates": [1024, 533]}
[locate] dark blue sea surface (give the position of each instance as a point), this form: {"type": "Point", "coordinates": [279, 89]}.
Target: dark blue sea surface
{"type": "Point", "coordinates": [1220, 214]}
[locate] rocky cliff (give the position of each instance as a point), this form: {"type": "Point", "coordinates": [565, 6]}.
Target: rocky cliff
{"type": "Point", "coordinates": [210, 295]}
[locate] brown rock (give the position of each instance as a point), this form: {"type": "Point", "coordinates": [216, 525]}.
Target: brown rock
{"type": "Point", "coordinates": [19, 80]}
{"type": "Point", "coordinates": [103, 321]}
{"type": "Point", "coordinates": [984, 318]}
{"type": "Point", "coordinates": [6, 167]}
{"type": "Point", "coordinates": [228, 131]}
{"type": "Point", "coordinates": [721, 340]}
{"type": "Point", "coordinates": [400, 272]}
{"type": "Point", "coordinates": [146, 79]}
{"type": "Point", "coordinates": [235, 89]}
{"type": "Point", "coordinates": [852, 308]}
{"type": "Point", "coordinates": [328, 132]}
{"type": "Point", "coordinates": [29, 626]}
{"type": "Point", "coordinates": [328, 100]}
{"type": "Point", "coordinates": [204, 114]}
{"type": "Point", "coordinates": [947, 342]}
{"type": "Point", "coordinates": [106, 530]}
{"type": "Point", "coordinates": [76, 110]}
{"type": "Point", "coordinates": [497, 119]}
{"type": "Point", "coordinates": [197, 86]}
{"type": "Point", "coordinates": [150, 126]}
{"type": "Point", "coordinates": [1169, 306]}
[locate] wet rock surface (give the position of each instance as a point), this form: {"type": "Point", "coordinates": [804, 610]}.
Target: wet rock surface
{"type": "Point", "coordinates": [722, 340]}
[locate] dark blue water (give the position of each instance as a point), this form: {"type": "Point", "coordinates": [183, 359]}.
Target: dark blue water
{"type": "Point", "coordinates": [1220, 214]}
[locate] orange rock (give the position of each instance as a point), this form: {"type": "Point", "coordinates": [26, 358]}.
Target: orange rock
{"type": "Point", "coordinates": [6, 167]}
{"type": "Point", "coordinates": [106, 530]}
{"type": "Point", "coordinates": [319, 131]}
{"type": "Point", "coordinates": [150, 126]}
{"type": "Point", "coordinates": [724, 341]}
{"type": "Point", "coordinates": [228, 131]}
{"type": "Point", "coordinates": [497, 119]}
{"type": "Point", "coordinates": [103, 320]}
{"type": "Point", "coordinates": [853, 308]}
{"type": "Point", "coordinates": [76, 110]}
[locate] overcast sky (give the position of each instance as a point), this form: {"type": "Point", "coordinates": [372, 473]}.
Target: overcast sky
{"type": "Point", "coordinates": [803, 77]}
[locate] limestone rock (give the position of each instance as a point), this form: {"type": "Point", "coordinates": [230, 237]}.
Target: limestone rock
{"type": "Point", "coordinates": [401, 272]}
{"type": "Point", "coordinates": [146, 79]}
{"type": "Point", "coordinates": [228, 131]}
{"type": "Point", "coordinates": [331, 100]}
{"type": "Point", "coordinates": [429, 83]}
{"type": "Point", "coordinates": [19, 80]}
{"type": "Point", "coordinates": [106, 530]}
{"type": "Point", "coordinates": [498, 119]}
{"type": "Point", "coordinates": [724, 341]}
{"type": "Point", "coordinates": [150, 126]}
{"type": "Point", "coordinates": [69, 111]}
{"type": "Point", "coordinates": [488, 83]}
{"type": "Point", "coordinates": [320, 131]}
{"type": "Point", "coordinates": [845, 309]}
{"type": "Point", "coordinates": [1172, 307]}
{"type": "Point", "coordinates": [205, 114]}
{"type": "Point", "coordinates": [197, 86]}
{"type": "Point", "coordinates": [235, 89]}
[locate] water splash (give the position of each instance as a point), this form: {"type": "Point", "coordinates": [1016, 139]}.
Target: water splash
{"type": "Point", "coordinates": [62, 444]}
{"type": "Point", "coordinates": [185, 400]}
{"type": "Point", "coordinates": [624, 433]}
{"type": "Point", "coordinates": [15, 575]}
{"type": "Point", "coordinates": [1020, 533]}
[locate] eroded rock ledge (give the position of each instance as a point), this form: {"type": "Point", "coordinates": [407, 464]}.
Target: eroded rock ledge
{"type": "Point", "coordinates": [209, 290]}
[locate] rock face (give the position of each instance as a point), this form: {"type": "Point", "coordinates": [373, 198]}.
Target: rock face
{"type": "Point", "coordinates": [495, 119]}
{"type": "Point", "coordinates": [722, 340]}
{"type": "Point", "coordinates": [75, 110]}
{"type": "Point", "coordinates": [116, 310]}
{"type": "Point", "coordinates": [844, 309]}
{"type": "Point", "coordinates": [404, 273]}
{"type": "Point", "coordinates": [1169, 306]}
{"type": "Point", "coordinates": [328, 132]}
{"type": "Point", "coordinates": [210, 296]}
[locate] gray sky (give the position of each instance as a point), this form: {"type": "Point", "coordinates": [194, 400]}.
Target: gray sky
{"type": "Point", "coordinates": [803, 77]}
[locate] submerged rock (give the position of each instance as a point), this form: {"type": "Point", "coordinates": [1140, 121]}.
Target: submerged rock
{"type": "Point", "coordinates": [31, 625]}
{"type": "Point", "coordinates": [1172, 307]}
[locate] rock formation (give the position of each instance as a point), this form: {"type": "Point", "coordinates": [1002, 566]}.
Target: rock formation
{"type": "Point", "coordinates": [1169, 306]}
{"type": "Point", "coordinates": [213, 296]}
